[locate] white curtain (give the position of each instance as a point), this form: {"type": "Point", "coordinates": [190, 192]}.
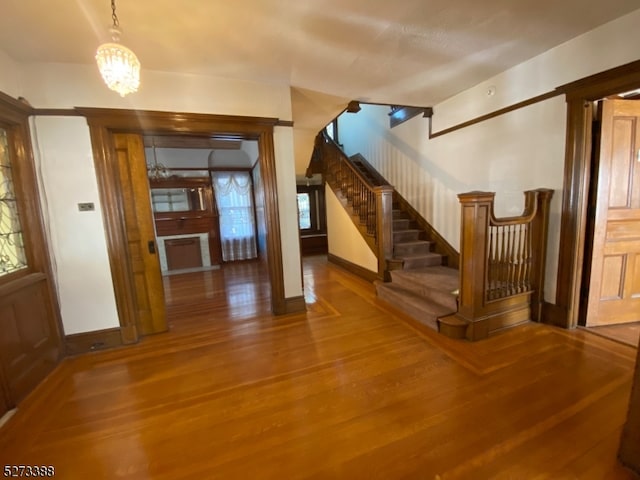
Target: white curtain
{"type": "Point", "coordinates": [234, 196]}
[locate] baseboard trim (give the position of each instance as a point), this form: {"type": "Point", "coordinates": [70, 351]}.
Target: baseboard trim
{"type": "Point", "coordinates": [91, 341]}
{"type": "Point", "coordinates": [295, 304]}
{"type": "Point", "coordinates": [553, 314]}
{"type": "Point", "coordinates": [353, 268]}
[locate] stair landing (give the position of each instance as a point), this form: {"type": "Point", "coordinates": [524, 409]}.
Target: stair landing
{"type": "Point", "coordinates": [425, 294]}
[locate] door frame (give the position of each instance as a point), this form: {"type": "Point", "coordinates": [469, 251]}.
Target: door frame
{"type": "Point", "coordinates": [580, 96]}
{"type": "Point", "coordinates": [37, 357]}
{"type": "Point", "coordinates": [104, 122]}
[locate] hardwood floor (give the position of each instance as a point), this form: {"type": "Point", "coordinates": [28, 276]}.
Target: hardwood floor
{"type": "Point", "coordinates": [628, 333]}
{"type": "Point", "coordinates": [348, 390]}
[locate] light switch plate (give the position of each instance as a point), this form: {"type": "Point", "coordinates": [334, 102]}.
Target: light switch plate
{"type": "Point", "coordinates": [86, 207]}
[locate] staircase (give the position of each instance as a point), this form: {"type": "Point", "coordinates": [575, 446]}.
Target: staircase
{"type": "Point", "coordinates": [417, 281]}
{"type": "Point", "coordinates": [502, 260]}
{"type": "Point", "coordinates": [421, 286]}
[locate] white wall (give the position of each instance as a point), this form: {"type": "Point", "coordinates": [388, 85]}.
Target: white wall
{"type": "Point", "coordinates": [288, 211]}
{"type": "Point", "coordinates": [78, 246]}
{"type": "Point", "coordinates": [57, 85]}
{"type": "Point", "coordinates": [507, 154]}
{"type": "Point", "coordinates": [344, 239]}
{"type": "Point", "coordinates": [608, 46]}
{"type": "Point", "coordinates": [65, 152]}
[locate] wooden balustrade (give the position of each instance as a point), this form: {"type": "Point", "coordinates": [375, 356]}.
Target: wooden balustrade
{"type": "Point", "coordinates": [502, 260]}
{"type": "Point", "coordinates": [502, 263]}
{"type": "Point", "coordinates": [371, 206]}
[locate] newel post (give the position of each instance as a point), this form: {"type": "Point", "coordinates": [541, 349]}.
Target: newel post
{"type": "Point", "coordinates": [384, 226]}
{"type": "Point", "coordinates": [477, 208]}
{"type": "Point", "coordinates": [539, 233]}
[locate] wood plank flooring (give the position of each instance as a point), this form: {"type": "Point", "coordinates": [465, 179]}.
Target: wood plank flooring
{"type": "Point", "coordinates": [349, 390]}
{"type": "Point", "coordinates": [628, 333]}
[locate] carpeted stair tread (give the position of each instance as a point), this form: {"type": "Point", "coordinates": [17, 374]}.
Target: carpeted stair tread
{"type": "Point", "coordinates": [436, 283]}
{"type": "Point", "coordinates": [408, 235]}
{"type": "Point", "coordinates": [412, 247]}
{"type": "Point", "coordinates": [424, 310]}
{"type": "Point", "coordinates": [438, 277]}
{"type": "Point", "coordinates": [420, 260]}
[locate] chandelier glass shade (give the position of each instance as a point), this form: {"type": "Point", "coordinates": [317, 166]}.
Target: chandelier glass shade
{"type": "Point", "coordinates": [118, 65]}
{"type": "Point", "coordinates": [156, 170]}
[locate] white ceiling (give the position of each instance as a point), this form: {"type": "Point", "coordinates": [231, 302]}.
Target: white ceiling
{"type": "Point", "coordinates": [402, 52]}
{"type": "Point", "coordinates": [413, 52]}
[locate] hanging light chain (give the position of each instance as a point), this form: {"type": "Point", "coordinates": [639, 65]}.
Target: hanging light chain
{"type": "Point", "coordinates": [118, 65]}
{"type": "Point", "coordinates": [114, 17]}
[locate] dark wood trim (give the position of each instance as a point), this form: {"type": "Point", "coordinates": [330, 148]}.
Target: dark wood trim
{"type": "Point", "coordinates": [552, 314]}
{"type": "Point", "coordinates": [30, 292]}
{"type": "Point", "coordinates": [575, 191]}
{"type": "Point", "coordinates": [353, 268]}
{"type": "Point", "coordinates": [14, 115]}
{"type": "Point", "coordinates": [92, 341]}
{"type": "Point", "coordinates": [496, 113]}
{"type": "Point", "coordinates": [180, 182]}
{"type": "Point", "coordinates": [353, 107]}
{"type": "Point", "coordinates": [14, 110]}
{"type": "Point", "coordinates": [272, 221]}
{"type": "Point", "coordinates": [186, 142]}
{"type": "Point", "coordinates": [56, 112]}
{"type": "Point", "coordinates": [610, 82]}
{"type": "Point", "coordinates": [295, 304]}
{"type": "Point", "coordinates": [580, 96]}
{"type": "Point", "coordinates": [402, 113]}
{"type": "Point", "coordinates": [104, 121]}
{"type": "Point", "coordinates": [21, 282]}
{"type": "Point", "coordinates": [151, 122]}
{"type": "Point", "coordinates": [119, 258]}
{"type": "Point", "coordinates": [284, 123]}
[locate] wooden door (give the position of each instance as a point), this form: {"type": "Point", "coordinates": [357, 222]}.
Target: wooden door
{"type": "Point", "coordinates": [30, 327]}
{"type": "Point", "coordinates": [149, 290]}
{"type": "Point", "coordinates": [614, 287]}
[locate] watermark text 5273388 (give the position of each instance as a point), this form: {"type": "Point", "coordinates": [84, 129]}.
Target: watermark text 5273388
{"type": "Point", "coordinates": [28, 471]}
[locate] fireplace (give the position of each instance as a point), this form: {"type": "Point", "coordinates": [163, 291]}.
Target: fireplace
{"type": "Point", "coordinates": [182, 252]}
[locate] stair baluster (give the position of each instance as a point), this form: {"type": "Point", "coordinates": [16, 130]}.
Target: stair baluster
{"type": "Point", "coordinates": [502, 264]}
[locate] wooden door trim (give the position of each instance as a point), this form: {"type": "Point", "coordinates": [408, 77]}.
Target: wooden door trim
{"type": "Point", "coordinates": [577, 175]}
{"type": "Point", "coordinates": [38, 356]}
{"type": "Point", "coordinates": [103, 122]}
{"type": "Point", "coordinates": [14, 116]}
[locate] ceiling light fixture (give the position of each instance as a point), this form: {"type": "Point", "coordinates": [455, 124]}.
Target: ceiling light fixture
{"type": "Point", "coordinates": [156, 170]}
{"type": "Point", "coordinates": [119, 66]}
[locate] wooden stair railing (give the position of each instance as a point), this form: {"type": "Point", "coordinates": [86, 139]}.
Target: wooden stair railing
{"type": "Point", "coordinates": [502, 263]}
{"type": "Point", "coordinates": [371, 205]}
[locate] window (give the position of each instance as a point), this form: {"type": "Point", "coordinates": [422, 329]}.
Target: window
{"type": "Point", "coordinates": [234, 197]}
{"type": "Point", "coordinates": [332, 130]}
{"type": "Point", "coordinates": [12, 254]}
{"type": "Point", "coordinates": [304, 211]}
{"type": "Point", "coordinates": [311, 209]}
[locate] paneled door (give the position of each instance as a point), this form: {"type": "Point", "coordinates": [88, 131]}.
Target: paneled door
{"type": "Point", "coordinates": [614, 288]}
{"type": "Point", "coordinates": [140, 231]}
{"type": "Point", "coordinates": [30, 329]}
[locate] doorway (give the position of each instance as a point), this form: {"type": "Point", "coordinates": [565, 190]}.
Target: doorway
{"type": "Point", "coordinates": [203, 195]}
{"type": "Point", "coordinates": [104, 125]}
{"type": "Point", "coordinates": [610, 292]}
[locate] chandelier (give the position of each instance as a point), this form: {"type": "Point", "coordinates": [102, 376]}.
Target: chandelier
{"type": "Point", "coordinates": [119, 66]}
{"type": "Point", "coordinates": [156, 170]}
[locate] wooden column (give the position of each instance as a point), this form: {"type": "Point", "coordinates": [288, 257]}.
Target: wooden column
{"type": "Point", "coordinates": [384, 226]}
{"type": "Point", "coordinates": [539, 234]}
{"type": "Point", "coordinates": [474, 228]}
